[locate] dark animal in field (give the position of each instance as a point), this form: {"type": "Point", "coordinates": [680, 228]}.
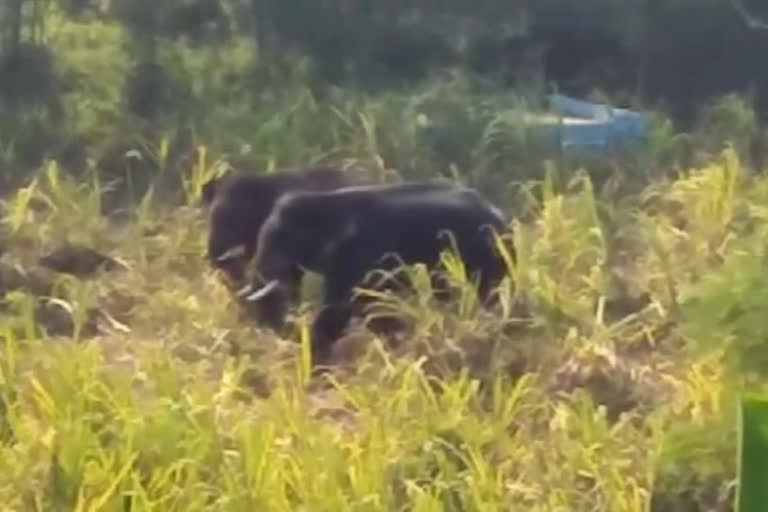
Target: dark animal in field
{"type": "Point", "coordinates": [344, 234]}
{"type": "Point", "coordinates": [240, 202]}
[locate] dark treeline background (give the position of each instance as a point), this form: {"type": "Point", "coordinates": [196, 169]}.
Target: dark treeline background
{"type": "Point", "coordinates": [79, 75]}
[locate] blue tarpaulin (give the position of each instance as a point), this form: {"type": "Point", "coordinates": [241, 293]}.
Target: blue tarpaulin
{"type": "Point", "coordinates": [586, 125]}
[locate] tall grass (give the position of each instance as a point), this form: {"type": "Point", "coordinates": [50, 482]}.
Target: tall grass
{"type": "Point", "coordinates": [181, 404]}
{"type": "Point", "coordinates": [573, 394]}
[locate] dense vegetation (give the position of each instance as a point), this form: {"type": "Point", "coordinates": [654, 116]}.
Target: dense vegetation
{"type": "Point", "coordinates": [608, 381]}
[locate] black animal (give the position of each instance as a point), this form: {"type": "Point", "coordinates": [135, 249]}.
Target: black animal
{"type": "Point", "coordinates": [346, 233]}
{"type": "Point", "coordinates": [240, 202]}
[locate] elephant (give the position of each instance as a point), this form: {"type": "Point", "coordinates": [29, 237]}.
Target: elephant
{"type": "Point", "coordinates": [345, 234]}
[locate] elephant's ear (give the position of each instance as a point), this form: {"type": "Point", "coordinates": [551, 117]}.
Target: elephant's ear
{"type": "Point", "coordinates": [349, 229]}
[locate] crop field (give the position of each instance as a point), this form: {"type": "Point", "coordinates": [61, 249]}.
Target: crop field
{"type": "Point", "coordinates": [146, 382]}
{"type": "Point", "coordinates": [609, 376]}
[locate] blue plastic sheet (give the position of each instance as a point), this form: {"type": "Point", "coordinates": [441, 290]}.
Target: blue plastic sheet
{"type": "Point", "coordinates": [596, 126]}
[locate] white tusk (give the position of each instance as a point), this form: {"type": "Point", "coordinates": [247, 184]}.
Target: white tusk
{"type": "Point", "coordinates": [244, 290]}
{"type": "Point", "coordinates": [264, 290]}
{"type": "Point", "coordinates": [233, 252]}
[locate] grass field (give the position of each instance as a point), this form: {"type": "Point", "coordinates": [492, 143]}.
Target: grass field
{"type": "Point", "coordinates": [608, 379]}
